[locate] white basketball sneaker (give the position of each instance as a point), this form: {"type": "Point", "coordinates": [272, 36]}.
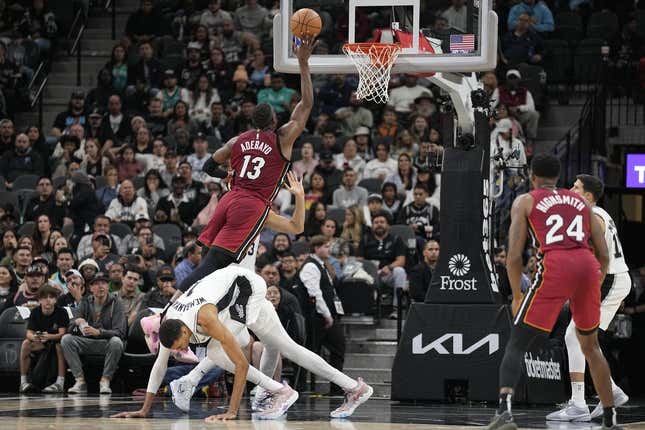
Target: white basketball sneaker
{"type": "Point", "coordinates": [280, 402]}
{"type": "Point", "coordinates": [261, 399]}
{"type": "Point", "coordinates": [353, 399]}
{"type": "Point", "coordinates": [620, 398]}
{"type": "Point", "coordinates": [570, 412]}
{"type": "Point", "coordinates": [182, 392]}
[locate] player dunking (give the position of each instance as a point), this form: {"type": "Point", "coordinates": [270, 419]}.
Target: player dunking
{"type": "Point", "coordinates": [259, 159]}
{"type": "Point", "coordinates": [614, 289]}
{"type": "Point", "coordinates": [561, 225]}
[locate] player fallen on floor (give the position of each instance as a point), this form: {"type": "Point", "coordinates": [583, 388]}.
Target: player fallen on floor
{"type": "Point", "coordinates": [218, 310]}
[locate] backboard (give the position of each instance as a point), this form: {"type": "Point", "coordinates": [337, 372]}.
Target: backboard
{"type": "Point", "coordinates": [464, 42]}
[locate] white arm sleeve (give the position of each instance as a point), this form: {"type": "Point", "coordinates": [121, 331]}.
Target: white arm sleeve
{"type": "Point", "coordinates": [310, 277]}
{"type": "Point", "coordinates": [158, 370]}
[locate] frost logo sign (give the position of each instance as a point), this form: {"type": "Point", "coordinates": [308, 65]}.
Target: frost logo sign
{"type": "Point", "coordinates": [635, 171]}
{"type": "Point", "coordinates": [459, 267]}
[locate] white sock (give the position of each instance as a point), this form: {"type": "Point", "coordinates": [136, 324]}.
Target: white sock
{"type": "Point", "coordinates": [23, 379]}
{"type": "Point", "coordinates": [60, 380]}
{"type": "Point", "coordinates": [578, 394]}
{"type": "Point", "coordinates": [614, 387]}
{"type": "Point", "coordinates": [202, 368]}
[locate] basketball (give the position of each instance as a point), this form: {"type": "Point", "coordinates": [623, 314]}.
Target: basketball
{"type": "Point", "coordinates": [305, 23]}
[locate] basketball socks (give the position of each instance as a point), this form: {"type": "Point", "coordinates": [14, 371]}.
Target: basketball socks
{"type": "Point", "coordinates": [23, 379]}
{"type": "Point", "coordinates": [614, 387]}
{"type": "Point", "coordinates": [60, 380]}
{"type": "Point", "coordinates": [609, 417]}
{"type": "Point", "coordinates": [504, 403]}
{"type": "Point", "coordinates": [578, 394]}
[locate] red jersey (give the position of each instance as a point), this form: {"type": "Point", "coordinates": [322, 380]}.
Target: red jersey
{"type": "Point", "coordinates": [559, 219]}
{"type": "Point", "coordinates": [258, 164]}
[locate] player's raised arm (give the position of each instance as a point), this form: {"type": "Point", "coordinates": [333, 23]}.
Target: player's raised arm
{"type": "Point", "coordinates": [296, 224]}
{"type": "Point", "coordinates": [300, 115]}
{"type": "Point", "coordinates": [210, 323]}
{"type": "Point", "coordinates": [517, 234]}
{"type": "Point", "coordinates": [212, 165]}
{"type": "Point", "coordinates": [599, 244]}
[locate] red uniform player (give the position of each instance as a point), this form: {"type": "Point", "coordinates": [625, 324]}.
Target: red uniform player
{"type": "Point", "coordinates": [563, 230]}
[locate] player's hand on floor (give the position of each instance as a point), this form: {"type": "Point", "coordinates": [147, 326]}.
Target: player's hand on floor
{"type": "Point", "coordinates": [221, 417]}
{"type": "Point", "coordinates": [131, 414]}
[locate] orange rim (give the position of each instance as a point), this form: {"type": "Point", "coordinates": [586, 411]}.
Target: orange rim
{"type": "Point", "coordinates": [380, 53]}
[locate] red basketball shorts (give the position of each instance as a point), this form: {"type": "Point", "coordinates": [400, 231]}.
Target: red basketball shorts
{"type": "Point", "coordinates": [237, 220]}
{"type": "Point", "coordinates": [563, 275]}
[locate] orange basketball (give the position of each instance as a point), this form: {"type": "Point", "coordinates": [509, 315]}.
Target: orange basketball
{"type": "Point", "coordinates": [305, 23]}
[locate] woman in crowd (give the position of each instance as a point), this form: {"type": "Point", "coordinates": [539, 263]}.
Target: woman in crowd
{"type": "Point", "coordinates": [259, 71]}
{"type": "Point", "coordinates": [41, 234]}
{"type": "Point", "coordinates": [153, 190]}
{"type": "Point", "coordinates": [305, 166]}
{"type": "Point", "coordinates": [353, 227]}
{"type": "Point", "coordinates": [220, 73]}
{"type": "Point", "coordinates": [94, 163]}
{"type": "Point", "coordinates": [502, 113]}
{"type": "Point", "coordinates": [202, 96]}
{"type": "Point", "coordinates": [109, 192]}
{"type": "Point", "coordinates": [118, 68]}
{"type": "Point", "coordinates": [142, 141]}
{"type": "Point", "coordinates": [26, 241]}
{"type": "Point", "coordinates": [54, 244]}
{"type": "Point", "coordinates": [315, 217]}
{"type": "Point", "coordinates": [9, 245]}
{"type": "Point", "coordinates": [127, 166]}
{"type": "Point", "coordinates": [317, 190]}
{"type": "Point", "coordinates": [181, 119]}
{"type": "Point", "coordinates": [389, 126]}
{"type": "Point", "coordinates": [391, 200]}
{"type": "Point", "coordinates": [350, 158]}
{"type": "Point", "coordinates": [8, 286]}
{"type": "Point", "coordinates": [419, 129]}
{"type": "Point", "coordinates": [404, 144]}
{"type": "Point", "coordinates": [38, 143]}
{"type": "Point", "coordinates": [405, 178]}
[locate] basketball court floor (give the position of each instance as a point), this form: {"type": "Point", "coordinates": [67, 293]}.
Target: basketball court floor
{"type": "Point", "coordinates": [309, 413]}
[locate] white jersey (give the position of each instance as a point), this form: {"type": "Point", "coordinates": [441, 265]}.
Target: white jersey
{"type": "Point", "coordinates": [616, 257]}
{"type": "Point", "coordinates": [235, 291]}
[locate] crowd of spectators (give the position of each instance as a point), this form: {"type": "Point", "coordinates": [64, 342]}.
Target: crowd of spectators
{"type": "Point", "coordinates": [120, 198]}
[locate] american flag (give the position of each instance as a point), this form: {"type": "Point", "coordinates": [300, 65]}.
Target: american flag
{"type": "Point", "coordinates": [462, 43]}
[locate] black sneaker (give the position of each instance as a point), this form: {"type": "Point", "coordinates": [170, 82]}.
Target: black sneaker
{"type": "Point", "coordinates": [503, 421]}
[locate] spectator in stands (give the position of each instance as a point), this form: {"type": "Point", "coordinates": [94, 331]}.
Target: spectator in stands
{"type": "Point", "coordinates": [405, 177]}
{"type": "Point", "coordinates": [354, 227]}
{"type": "Point", "coordinates": [74, 114]}
{"type": "Point", "coordinates": [153, 190]}
{"type": "Point", "coordinates": [67, 152]}
{"type": "Point", "coordinates": [159, 296]}
{"type": "Point", "coordinates": [155, 118]}
{"type": "Point", "coordinates": [332, 176]}
{"type": "Point", "coordinates": [127, 206]}
{"type": "Point", "coordinates": [193, 189]}
{"type": "Point", "coordinates": [146, 23]}
{"type": "Point", "coordinates": [88, 268]}
{"type": "Point", "coordinates": [96, 332]}
{"type": "Point", "coordinates": [502, 113]}
{"type": "Point", "coordinates": [233, 43]}
{"type": "Point", "coordinates": [489, 84]}
{"type": "Point", "coordinates": [258, 70]}
{"type": "Point", "coordinates": [41, 234]}
{"type": "Point", "coordinates": [47, 325]}
{"type": "Point", "coordinates": [402, 98]}
{"type": "Point", "coordinates": [382, 166]}
{"type": "Point", "coordinates": [429, 152]}
{"type": "Point", "coordinates": [457, 15]}
{"type": "Point", "coordinates": [422, 216]}
{"type": "Point", "coordinates": [349, 193]}
{"type": "Point", "coordinates": [125, 162]}
{"type": "Point", "coordinates": [115, 126]}
{"type": "Point", "coordinates": [335, 94]}
{"type": "Point", "coordinates": [522, 45]}
{"type": "Point", "coordinates": [219, 72]}
{"type": "Point", "coordinates": [424, 105]}
{"type": "Point", "coordinates": [107, 193]}
{"type": "Point", "coordinates": [319, 284]}
{"type": "Point", "coordinates": [76, 290]}
{"type": "Point", "coordinates": [9, 245]}
{"type": "Point", "coordinates": [101, 251]}
{"type": "Point", "coordinates": [98, 96]}
{"type": "Point", "coordinates": [199, 156]}
{"type": "Point", "coordinates": [419, 128]}
{"type": "Point", "coordinates": [28, 294]}
{"type": "Point", "coordinates": [201, 99]}
{"type": "Point", "coordinates": [192, 256]}
{"type": "Point", "coordinates": [278, 96]}
{"type": "Point", "coordinates": [213, 17]}
{"type": "Point", "coordinates": [316, 215]}
{"type": "Point", "coordinates": [8, 287]}
{"type": "Point", "coordinates": [350, 158]}
{"type": "Point", "coordinates": [330, 143]}
{"type": "Point", "coordinates": [192, 69]}
{"type": "Point", "coordinates": [421, 274]}
{"type": "Point", "coordinates": [116, 275]}
{"type": "Point", "coordinates": [540, 17]}
{"type": "Point", "coordinates": [288, 271]}
{"type": "Point", "coordinates": [94, 163]}
{"type": "Point", "coordinates": [64, 263]}
{"type": "Point", "coordinates": [46, 202]}
{"type": "Point", "coordinates": [392, 202]}
{"type": "Point", "coordinates": [177, 208]}
{"type": "Point", "coordinates": [95, 120]}
{"type": "Point", "coordinates": [307, 163]}
{"type": "Point", "coordinates": [171, 92]}
{"type": "Point", "coordinates": [389, 125]}
{"type": "Point", "coordinates": [180, 120]}
{"type": "Point", "coordinates": [389, 251]}
{"type": "Point", "coordinates": [41, 26]}
{"type": "Point", "coordinates": [21, 160]}
{"type": "Point", "coordinates": [129, 294]}
{"type": "Point", "coordinates": [83, 206]}
{"type": "Point", "coordinates": [354, 116]}
{"type": "Point", "coordinates": [14, 79]}
{"type": "Point", "coordinates": [280, 246]}
{"type": "Point", "coordinates": [101, 225]}
{"type": "Point", "coordinates": [118, 68]}
{"type": "Point", "coordinates": [7, 137]}
{"type": "Point", "coordinates": [252, 18]}
{"type": "Point", "coordinates": [404, 144]}
{"type": "Point", "coordinates": [520, 103]}
{"type": "Point", "coordinates": [146, 74]}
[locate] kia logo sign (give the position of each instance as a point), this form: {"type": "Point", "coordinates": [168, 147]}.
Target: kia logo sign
{"type": "Point", "coordinates": [457, 344]}
{"type": "Point", "coordinates": [635, 171]}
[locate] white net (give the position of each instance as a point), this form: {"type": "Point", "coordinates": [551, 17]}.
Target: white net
{"type": "Point", "coordinates": [374, 62]}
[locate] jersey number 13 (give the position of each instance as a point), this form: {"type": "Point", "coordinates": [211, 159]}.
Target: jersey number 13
{"type": "Point", "coordinates": [252, 167]}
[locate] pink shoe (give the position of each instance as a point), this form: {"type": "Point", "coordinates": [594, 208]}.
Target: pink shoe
{"type": "Point", "coordinates": [353, 399]}
{"type": "Point", "coordinates": [280, 402]}
{"type": "Point", "coordinates": [185, 356]}
{"type": "Point", "coordinates": [150, 326]}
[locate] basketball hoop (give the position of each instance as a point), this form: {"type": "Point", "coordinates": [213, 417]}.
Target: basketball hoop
{"type": "Point", "coordinates": [374, 62]}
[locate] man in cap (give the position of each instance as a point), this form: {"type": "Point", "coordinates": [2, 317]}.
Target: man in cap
{"type": "Point", "coordinates": [95, 119]}
{"type": "Point", "coordinates": [159, 296]}
{"type": "Point", "coordinates": [101, 246]}
{"type": "Point", "coordinates": [192, 68]}
{"type": "Point", "coordinates": [199, 157]}
{"type": "Point", "coordinates": [74, 114]}
{"type": "Point", "coordinates": [34, 279]}
{"type": "Point", "coordinates": [327, 168]}
{"type": "Point", "coordinates": [99, 327]}
{"type": "Point", "coordinates": [520, 103]}
{"type": "Point", "coordinates": [354, 116]}
{"type": "Point", "coordinates": [131, 241]}
{"type": "Point", "coordinates": [75, 288]}
{"type": "Point", "coordinates": [374, 205]}
{"type": "Point", "coordinates": [87, 269]}
{"type": "Point", "coordinates": [101, 225]}
{"type": "Point", "coordinates": [171, 92]}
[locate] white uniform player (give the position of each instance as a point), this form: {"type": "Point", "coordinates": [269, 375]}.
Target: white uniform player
{"type": "Point", "coordinates": [614, 289]}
